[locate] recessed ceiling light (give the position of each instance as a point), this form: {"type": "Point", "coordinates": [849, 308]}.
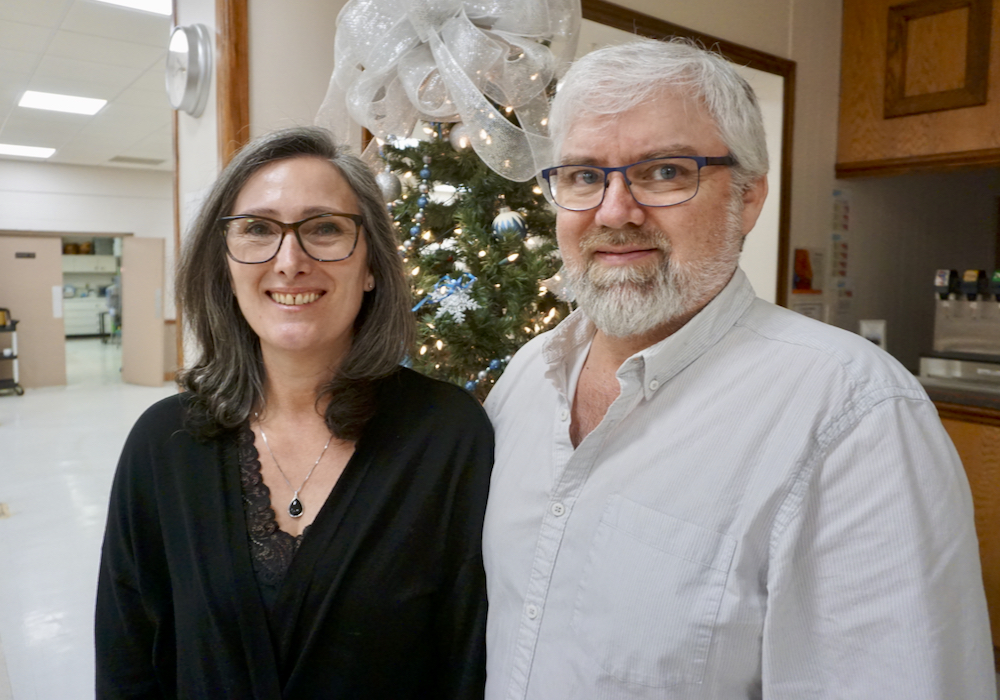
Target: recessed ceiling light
{"type": "Point", "coordinates": [160, 7]}
{"type": "Point", "coordinates": [9, 149]}
{"type": "Point", "coordinates": [61, 103]}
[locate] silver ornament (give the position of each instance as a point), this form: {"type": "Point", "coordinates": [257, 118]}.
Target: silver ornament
{"type": "Point", "coordinates": [509, 221]}
{"type": "Point", "coordinates": [389, 185]}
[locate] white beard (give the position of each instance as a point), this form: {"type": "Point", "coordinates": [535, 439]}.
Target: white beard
{"type": "Point", "coordinates": [631, 300]}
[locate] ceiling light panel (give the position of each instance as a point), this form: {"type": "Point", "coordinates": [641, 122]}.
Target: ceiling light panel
{"type": "Point", "coordinates": [61, 103]}
{"type": "Point", "coordinates": [160, 7]}
{"type": "Point", "coordinates": [9, 149]}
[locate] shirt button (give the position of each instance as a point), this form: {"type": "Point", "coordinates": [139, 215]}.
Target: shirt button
{"type": "Point", "coordinates": [564, 415]}
{"type": "Point", "coordinates": [558, 509]}
{"type": "Point", "coordinates": [654, 385]}
{"type": "Point", "coordinates": [532, 612]}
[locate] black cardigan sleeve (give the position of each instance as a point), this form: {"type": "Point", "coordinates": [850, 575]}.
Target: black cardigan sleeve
{"type": "Point", "coordinates": [461, 622]}
{"type": "Point", "coordinates": [133, 620]}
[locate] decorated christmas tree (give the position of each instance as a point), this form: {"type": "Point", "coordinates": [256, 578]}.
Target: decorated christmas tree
{"type": "Point", "coordinates": [478, 249]}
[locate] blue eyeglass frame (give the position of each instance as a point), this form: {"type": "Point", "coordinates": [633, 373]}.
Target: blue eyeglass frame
{"type": "Point", "coordinates": [701, 161]}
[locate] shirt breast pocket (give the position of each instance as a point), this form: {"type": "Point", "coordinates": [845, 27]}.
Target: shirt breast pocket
{"type": "Point", "coordinates": [649, 595]}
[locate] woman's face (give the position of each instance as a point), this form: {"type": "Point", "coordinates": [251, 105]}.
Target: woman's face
{"type": "Point", "coordinates": [318, 300]}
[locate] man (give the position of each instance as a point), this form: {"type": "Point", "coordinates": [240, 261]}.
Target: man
{"type": "Point", "coordinates": [698, 494]}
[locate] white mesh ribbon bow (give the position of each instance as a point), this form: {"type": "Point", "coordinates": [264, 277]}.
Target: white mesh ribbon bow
{"type": "Point", "coordinates": [400, 61]}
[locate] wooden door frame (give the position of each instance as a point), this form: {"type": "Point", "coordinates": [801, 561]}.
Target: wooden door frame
{"type": "Point", "coordinates": [232, 93]}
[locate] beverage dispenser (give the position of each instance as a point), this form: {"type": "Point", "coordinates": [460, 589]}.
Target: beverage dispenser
{"type": "Point", "coordinates": [966, 327]}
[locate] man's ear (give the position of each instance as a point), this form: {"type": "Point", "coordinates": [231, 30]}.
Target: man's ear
{"type": "Point", "coordinates": [753, 202]}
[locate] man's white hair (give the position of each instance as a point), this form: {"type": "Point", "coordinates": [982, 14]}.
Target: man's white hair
{"type": "Point", "coordinates": [615, 79]}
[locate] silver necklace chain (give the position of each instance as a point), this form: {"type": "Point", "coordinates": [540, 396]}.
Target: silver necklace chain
{"type": "Point", "coordinates": [295, 507]}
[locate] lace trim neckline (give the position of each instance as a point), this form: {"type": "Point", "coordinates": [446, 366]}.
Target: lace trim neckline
{"type": "Point", "coordinates": [271, 548]}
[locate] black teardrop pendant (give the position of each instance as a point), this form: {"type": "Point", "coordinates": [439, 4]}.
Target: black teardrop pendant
{"type": "Point", "coordinates": [295, 508]}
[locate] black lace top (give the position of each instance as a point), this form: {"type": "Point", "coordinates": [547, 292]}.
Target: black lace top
{"type": "Point", "coordinates": [271, 548]}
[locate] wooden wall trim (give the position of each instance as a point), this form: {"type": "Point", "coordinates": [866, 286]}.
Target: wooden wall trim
{"type": "Point", "coordinates": [937, 162]}
{"type": "Point", "coordinates": [612, 15]}
{"type": "Point", "coordinates": [233, 77]}
{"type": "Point", "coordinates": [969, 414]}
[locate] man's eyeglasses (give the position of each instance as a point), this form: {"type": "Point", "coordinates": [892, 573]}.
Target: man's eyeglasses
{"type": "Point", "coordinates": [657, 182]}
{"type": "Point", "coordinates": [324, 237]}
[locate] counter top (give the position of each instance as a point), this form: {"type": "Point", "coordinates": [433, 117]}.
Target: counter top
{"type": "Point", "coordinates": [964, 397]}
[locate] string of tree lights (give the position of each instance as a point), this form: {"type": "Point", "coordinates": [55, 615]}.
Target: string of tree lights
{"type": "Point", "coordinates": [478, 250]}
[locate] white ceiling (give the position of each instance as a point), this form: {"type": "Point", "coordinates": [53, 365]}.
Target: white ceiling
{"type": "Point", "coordinates": [87, 49]}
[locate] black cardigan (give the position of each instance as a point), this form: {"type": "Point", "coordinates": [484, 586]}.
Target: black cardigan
{"type": "Point", "coordinates": [385, 598]}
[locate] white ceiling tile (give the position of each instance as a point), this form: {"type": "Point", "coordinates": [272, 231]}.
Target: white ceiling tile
{"type": "Point", "coordinates": [158, 144]}
{"type": "Point", "coordinates": [154, 78]}
{"type": "Point", "coordinates": [11, 89]}
{"type": "Point", "coordinates": [19, 36]}
{"type": "Point", "coordinates": [155, 99]}
{"type": "Point", "coordinates": [38, 133]}
{"type": "Point", "coordinates": [113, 22]}
{"type": "Point", "coordinates": [45, 13]}
{"type": "Point", "coordinates": [98, 49]}
{"type": "Point", "coordinates": [17, 62]}
{"type": "Point", "coordinates": [115, 78]}
{"type": "Point", "coordinates": [79, 47]}
{"type": "Point", "coordinates": [77, 88]}
{"type": "Point", "coordinates": [151, 117]}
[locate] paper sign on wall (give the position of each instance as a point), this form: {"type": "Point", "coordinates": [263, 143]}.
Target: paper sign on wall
{"type": "Point", "coordinates": [57, 301]}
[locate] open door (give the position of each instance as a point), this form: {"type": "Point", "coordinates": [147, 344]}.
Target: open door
{"type": "Point", "coordinates": [142, 311]}
{"type": "Point", "coordinates": [31, 287]}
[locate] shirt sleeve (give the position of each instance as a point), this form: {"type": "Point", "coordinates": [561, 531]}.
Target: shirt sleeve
{"type": "Point", "coordinates": [874, 587]}
{"type": "Point", "coordinates": [133, 624]}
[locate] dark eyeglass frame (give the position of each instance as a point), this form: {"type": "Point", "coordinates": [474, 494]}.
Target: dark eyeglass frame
{"type": "Point", "coordinates": [701, 161]}
{"type": "Point", "coordinates": [294, 228]}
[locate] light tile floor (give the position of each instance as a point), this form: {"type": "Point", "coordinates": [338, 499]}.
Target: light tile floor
{"type": "Point", "coordinates": [58, 449]}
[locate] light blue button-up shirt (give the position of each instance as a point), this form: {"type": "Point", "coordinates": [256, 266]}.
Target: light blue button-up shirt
{"type": "Point", "coordinates": [770, 508]}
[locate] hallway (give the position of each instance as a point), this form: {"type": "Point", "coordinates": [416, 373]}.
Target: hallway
{"type": "Point", "coordinates": [58, 450]}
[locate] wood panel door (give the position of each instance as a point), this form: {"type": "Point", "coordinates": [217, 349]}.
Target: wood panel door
{"type": "Point", "coordinates": [31, 287]}
{"type": "Point", "coordinates": [142, 311]}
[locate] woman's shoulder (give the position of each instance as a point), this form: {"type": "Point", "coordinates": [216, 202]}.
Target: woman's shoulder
{"type": "Point", "coordinates": [416, 395]}
{"type": "Point", "coordinates": [166, 421]}
{"type": "Point", "coordinates": [166, 413]}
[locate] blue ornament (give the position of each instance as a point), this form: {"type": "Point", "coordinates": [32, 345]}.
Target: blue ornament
{"type": "Point", "coordinates": [425, 173]}
{"type": "Point", "coordinates": [415, 230]}
{"type": "Point", "coordinates": [422, 201]}
{"type": "Point", "coordinates": [508, 221]}
{"type": "Point", "coordinates": [470, 385]}
{"type": "Point", "coordinates": [494, 364]}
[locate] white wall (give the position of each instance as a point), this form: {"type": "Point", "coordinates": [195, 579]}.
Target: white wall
{"type": "Point", "coordinates": [291, 60]}
{"type": "Point", "coordinates": [80, 199]}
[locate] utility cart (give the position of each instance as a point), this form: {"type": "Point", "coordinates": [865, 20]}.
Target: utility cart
{"type": "Point", "coordinates": [9, 354]}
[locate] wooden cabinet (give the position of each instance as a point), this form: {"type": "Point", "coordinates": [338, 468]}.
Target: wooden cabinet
{"type": "Point", "coordinates": [976, 434]}
{"type": "Point", "coordinates": [920, 86]}
{"type": "Point", "coordinates": [105, 264]}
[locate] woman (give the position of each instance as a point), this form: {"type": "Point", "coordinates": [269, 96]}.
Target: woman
{"type": "Point", "coordinates": [305, 520]}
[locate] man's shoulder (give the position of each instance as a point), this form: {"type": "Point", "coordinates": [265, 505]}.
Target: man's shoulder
{"type": "Point", "coordinates": [789, 336]}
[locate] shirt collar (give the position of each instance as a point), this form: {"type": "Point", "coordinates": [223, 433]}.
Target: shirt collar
{"type": "Point", "coordinates": [660, 362]}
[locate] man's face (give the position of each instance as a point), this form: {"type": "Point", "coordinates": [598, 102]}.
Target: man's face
{"type": "Point", "coordinates": [637, 269]}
